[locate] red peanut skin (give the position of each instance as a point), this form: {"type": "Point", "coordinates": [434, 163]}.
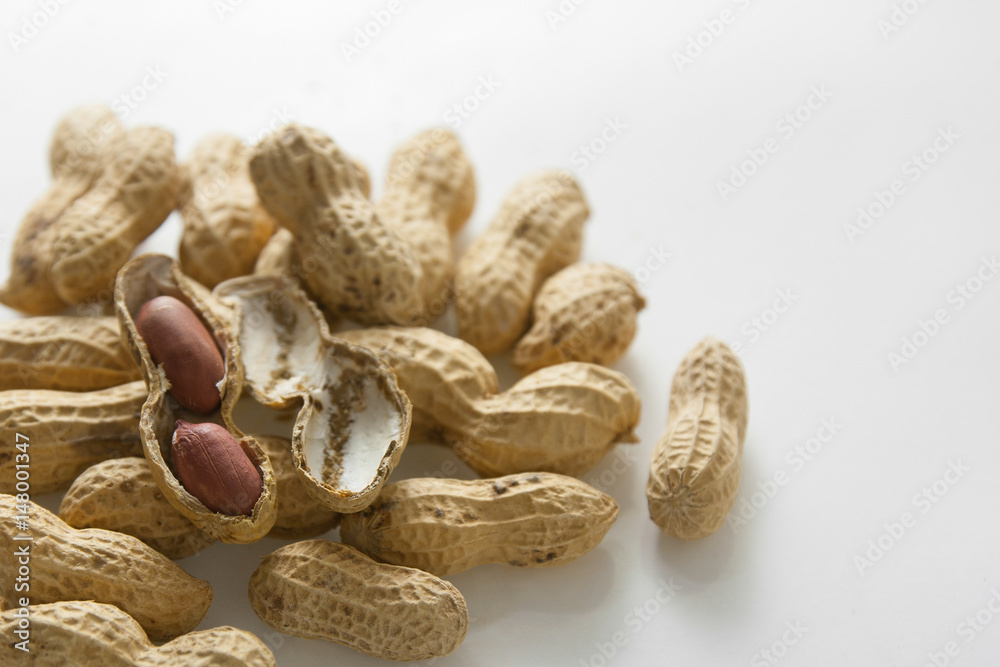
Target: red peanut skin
{"type": "Point", "coordinates": [214, 468]}
{"type": "Point", "coordinates": [178, 341]}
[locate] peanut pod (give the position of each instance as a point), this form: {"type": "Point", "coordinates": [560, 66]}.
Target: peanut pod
{"type": "Point", "coordinates": [59, 434]}
{"type": "Point", "coordinates": [695, 471]}
{"type": "Point", "coordinates": [121, 495]}
{"type": "Point", "coordinates": [538, 230]}
{"type": "Point", "coordinates": [99, 565]}
{"type": "Point", "coordinates": [91, 633]}
{"type": "Point", "coordinates": [325, 590]}
{"type": "Point", "coordinates": [300, 514]}
{"type": "Point", "coordinates": [64, 353]}
{"type": "Point", "coordinates": [83, 144]}
{"type": "Point", "coordinates": [444, 526]}
{"type": "Point", "coordinates": [142, 279]}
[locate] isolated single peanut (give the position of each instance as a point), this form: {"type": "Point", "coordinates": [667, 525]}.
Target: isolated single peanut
{"type": "Point", "coordinates": [178, 341]}
{"type": "Point", "coordinates": [429, 195]}
{"type": "Point", "coordinates": [214, 468]}
{"type": "Point", "coordinates": [63, 353]}
{"type": "Point", "coordinates": [324, 590]}
{"type": "Point", "coordinates": [444, 526]}
{"type": "Point", "coordinates": [300, 513]}
{"type": "Point", "coordinates": [65, 432]}
{"type": "Point", "coordinates": [99, 565]}
{"type": "Point", "coordinates": [353, 262]}
{"type": "Point", "coordinates": [225, 226]}
{"type": "Point", "coordinates": [83, 144]}
{"type": "Point", "coordinates": [586, 312]}
{"type": "Point", "coordinates": [121, 495]}
{"type": "Point", "coordinates": [96, 235]}
{"type": "Point", "coordinates": [560, 419]}
{"type": "Point", "coordinates": [538, 230]}
{"type": "Point", "coordinates": [92, 633]}
{"type": "Point", "coordinates": [695, 471]}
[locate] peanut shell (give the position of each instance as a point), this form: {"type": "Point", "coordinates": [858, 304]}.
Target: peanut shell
{"type": "Point", "coordinates": [444, 526]}
{"type": "Point", "coordinates": [354, 421]}
{"type": "Point", "coordinates": [99, 565]}
{"type": "Point", "coordinates": [141, 280]}
{"type": "Point", "coordinates": [324, 590]}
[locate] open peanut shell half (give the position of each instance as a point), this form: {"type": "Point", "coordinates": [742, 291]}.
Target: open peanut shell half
{"type": "Point", "coordinates": [142, 279]}
{"type": "Point", "coordinates": [354, 421]}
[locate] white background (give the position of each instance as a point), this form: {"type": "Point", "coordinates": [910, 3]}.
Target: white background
{"type": "Point", "coordinates": [796, 560]}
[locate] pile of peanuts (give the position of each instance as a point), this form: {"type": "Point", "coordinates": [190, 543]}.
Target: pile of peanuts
{"type": "Point", "coordinates": [128, 403]}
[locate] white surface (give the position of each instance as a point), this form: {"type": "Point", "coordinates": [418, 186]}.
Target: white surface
{"type": "Point", "coordinates": [655, 187]}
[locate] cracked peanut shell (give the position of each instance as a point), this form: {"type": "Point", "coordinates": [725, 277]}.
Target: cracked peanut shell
{"type": "Point", "coordinates": [142, 279]}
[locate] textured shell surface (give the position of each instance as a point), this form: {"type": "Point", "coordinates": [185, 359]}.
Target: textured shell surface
{"type": "Point", "coordinates": [67, 431]}
{"type": "Point", "coordinates": [225, 225]}
{"type": "Point", "coordinates": [429, 195]}
{"type": "Point", "coordinates": [585, 312]}
{"type": "Point", "coordinates": [65, 353]}
{"type": "Point", "coordinates": [445, 526]}
{"type": "Point", "coordinates": [100, 565]}
{"type": "Point", "coordinates": [696, 466]}
{"type": "Point", "coordinates": [121, 495]}
{"type": "Point", "coordinates": [300, 513]}
{"type": "Point", "coordinates": [98, 233]}
{"type": "Point", "coordinates": [561, 419]}
{"type": "Point", "coordinates": [142, 279]}
{"type": "Point", "coordinates": [354, 421]}
{"type": "Point", "coordinates": [538, 230]}
{"type": "Point", "coordinates": [84, 142]}
{"type": "Point", "coordinates": [324, 590]}
{"type": "Point", "coordinates": [92, 633]}
{"type": "Point", "coordinates": [353, 262]}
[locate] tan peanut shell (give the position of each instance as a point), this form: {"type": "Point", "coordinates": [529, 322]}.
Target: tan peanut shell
{"type": "Point", "coordinates": [354, 421]}
{"type": "Point", "coordinates": [84, 142]}
{"type": "Point", "coordinates": [300, 513]}
{"type": "Point", "coordinates": [92, 633]}
{"type": "Point", "coordinates": [277, 257]}
{"type": "Point", "coordinates": [64, 353]}
{"type": "Point", "coordinates": [429, 195]}
{"type": "Point", "coordinates": [325, 590]}
{"type": "Point", "coordinates": [444, 526]}
{"type": "Point", "coordinates": [121, 495]}
{"type": "Point", "coordinates": [353, 262]}
{"type": "Point", "coordinates": [586, 312]}
{"type": "Point", "coordinates": [97, 234]}
{"type": "Point", "coordinates": [99, 565]}
{"type": "Point", "coordinates": [538, 231]}
{"type": "Point", "coordinates": [225, 226]}
{"type": "Point", "coordinates": [560, 419]}
{"type": "Point", "coordinates": [66, 432]}
{"type": "Point", "coordinates": [142, 279]}
{"type": "Point", "coordinates": [695, 471]}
